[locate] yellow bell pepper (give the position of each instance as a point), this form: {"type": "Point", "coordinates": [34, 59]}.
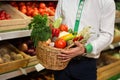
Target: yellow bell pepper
{"type": "Point", "coordinates": [67, 37]}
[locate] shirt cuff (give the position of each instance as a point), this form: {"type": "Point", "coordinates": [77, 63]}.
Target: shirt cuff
{"type": "Point", "coordinates": [88, 48]}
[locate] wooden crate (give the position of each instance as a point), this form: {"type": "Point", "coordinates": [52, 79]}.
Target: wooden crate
{"type": "Point", "coordinates": [15, 64]}
{"type": "Point", "coordinates": [116, 39]}
{"type": "Point", "coordinates": [108, 71]}
{"type": "Point", "coordinates": [33, 61]}
{"type": "Point", "coordinates": [117, 14]}
{"type": "Point", "coordinates": [18, 19]}
{"type": "Point", "coordinates": [112, 68]}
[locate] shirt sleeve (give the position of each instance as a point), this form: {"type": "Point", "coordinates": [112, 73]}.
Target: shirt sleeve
{"type": "Point", "coordinates": [106, 28]}
{"type": "Point", "coordinates": [58, 12]}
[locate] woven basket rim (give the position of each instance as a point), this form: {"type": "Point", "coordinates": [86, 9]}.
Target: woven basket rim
{"type": "Point", "coordinates": [40, 44]}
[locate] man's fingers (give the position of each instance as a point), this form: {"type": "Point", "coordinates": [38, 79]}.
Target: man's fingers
{"type": "Point", "coordinates": [77, 43]}
{"type": "Point", "coordinates": [66, 51]}
{"type": "Point", "coordinates": [65, 60]}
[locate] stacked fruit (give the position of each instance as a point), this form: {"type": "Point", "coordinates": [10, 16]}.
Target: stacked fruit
{"type": "Point", "coordinates": [33, 8]}
{"type": "Point", "coordinates": [27, 47]}
{"type": "Point", "coordinates": [8, 54]}
{"type": "Point", "coordinates": [4, 15]}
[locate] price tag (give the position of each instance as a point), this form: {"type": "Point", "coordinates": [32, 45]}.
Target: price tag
{"type": "Point", "coordinates": [39, 67]}
{"type": "Point", "coordinates": [111, 46]}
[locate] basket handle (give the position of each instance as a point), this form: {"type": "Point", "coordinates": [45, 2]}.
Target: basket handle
{"type": "Point", "coordinates": [71, 45]}
{"type": "Point", "coordinates": [51, 20]}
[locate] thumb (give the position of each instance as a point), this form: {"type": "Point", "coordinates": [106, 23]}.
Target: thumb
{"type": "Point", "coordinates": [77, 43]}
{"type": "Point", "coordinates": [81, 46]}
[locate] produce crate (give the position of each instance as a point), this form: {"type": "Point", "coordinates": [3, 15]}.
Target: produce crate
{"type": "Point", "coordinates": [114, 55]}
{"type": "Point", "coordinates": [12, 64]}
{"type": "Point", "coordinates": [18, 20]}
{"type": "Point", "coordinates": [111, 68]}
{"type": "Point", "coordinates": [116, 39]}
{"type": "Point", "coordinates": [117, 14]}
{"type": "Point", "coordinates": [108, 71]}
{"type": "Point", "coordinates": [33, 61]}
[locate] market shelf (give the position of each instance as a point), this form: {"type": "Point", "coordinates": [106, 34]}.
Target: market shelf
{"type": "Point", "coordinates": [19, 72]}
{"type": "Point", "coordinates": [14, 34]}
{"type": "Point", "coordinates": [15, 73]}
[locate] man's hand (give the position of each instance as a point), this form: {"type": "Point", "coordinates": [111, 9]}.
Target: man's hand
{"type": "Point", "coordinates": [68, 54]}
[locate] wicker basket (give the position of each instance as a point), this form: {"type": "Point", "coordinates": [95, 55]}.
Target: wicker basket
{"type": "Point", "coordinates": [47, 56]}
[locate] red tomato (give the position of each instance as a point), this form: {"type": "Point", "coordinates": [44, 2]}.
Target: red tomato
{"type": "Point", "coordinates": [7, 16]}
{"type": "Point", "coordinates": [2, 14]}
{"type": "Point", "coordinates": [23, 11]}
{"type": "Point", "coordinates": [23, 7]}
{"type": "Point", "coordinates": [51, 13]}
{"type": "Point", "coordinates": [60, 43]}
{"type": "Point", "coordinates": [63, 27]}
{"type": "Point", "coordinates": [41, 10]}
{"type": "Point", "coordinates": [30, 11]}
{"type": "Point", "coordinates": [52, 8]}
{"type": "Point", "coordinates": [35, 13]}
{"type": "Point", "coordinates": [42, 5]}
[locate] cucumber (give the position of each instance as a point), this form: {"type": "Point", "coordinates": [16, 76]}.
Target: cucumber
{"type": "Point", "coordinates": [57, 22]}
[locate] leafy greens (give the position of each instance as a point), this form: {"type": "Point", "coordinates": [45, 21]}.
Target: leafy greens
{"type": "Point", "coordinates": [40, 29]}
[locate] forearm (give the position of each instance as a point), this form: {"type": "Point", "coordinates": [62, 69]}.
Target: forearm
{"type": "Point", "coordinates": [101, 43]}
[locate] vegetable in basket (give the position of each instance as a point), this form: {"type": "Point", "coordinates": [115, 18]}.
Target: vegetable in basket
{"type": "Point", "coordinates": [40, 29]}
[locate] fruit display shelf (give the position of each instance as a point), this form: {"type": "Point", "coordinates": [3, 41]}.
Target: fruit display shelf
{"type": "Point", "coordinates": [14, 34]}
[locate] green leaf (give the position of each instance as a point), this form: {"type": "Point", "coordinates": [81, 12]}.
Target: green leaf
{"type": "Point", "coordinates": [40, 30]}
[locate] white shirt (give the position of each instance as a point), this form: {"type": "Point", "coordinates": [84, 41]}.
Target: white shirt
{"type": "Point", "coordinates": [99, 14]}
